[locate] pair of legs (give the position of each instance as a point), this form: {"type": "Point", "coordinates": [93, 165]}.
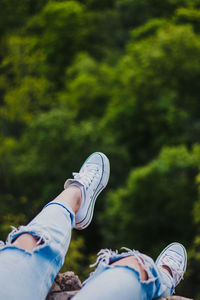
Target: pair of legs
{"type": "Point", "coordinates": [34, 254]}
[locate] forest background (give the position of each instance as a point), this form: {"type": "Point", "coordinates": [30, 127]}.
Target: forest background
{"type": "Point", "coordinates": [121, 77]}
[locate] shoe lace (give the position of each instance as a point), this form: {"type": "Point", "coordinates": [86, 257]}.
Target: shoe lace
{"type": "Point", "coordinates": [174, 262]}
{"type": "Point", "coordinates": [87, 175]}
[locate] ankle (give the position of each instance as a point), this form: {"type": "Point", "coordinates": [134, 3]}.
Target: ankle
{"type": "Point", "coordinates": [74, 197]}
{"type": "Point", "coordinates": [167, 269]}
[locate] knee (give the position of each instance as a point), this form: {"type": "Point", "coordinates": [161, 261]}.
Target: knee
{"type": "Point", "coordinates": [132, 262]}
{"type": "Point", "coordinates": [26, 241]}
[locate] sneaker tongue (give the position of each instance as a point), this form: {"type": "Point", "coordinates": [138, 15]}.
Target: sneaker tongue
{"type": "Point", "coordinates": [84, 178]}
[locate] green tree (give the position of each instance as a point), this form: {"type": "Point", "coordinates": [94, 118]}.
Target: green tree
{"type": "Point", "coordinates": [60, 31]}
{"type": "Point", "coordinates": [155, 99]}
{"type": "Point", "coordinates": [14, 14]}
{"type": "Point", "coordinates": [151, 209]}
{"type": "Point", "coordinates": [88, 87]}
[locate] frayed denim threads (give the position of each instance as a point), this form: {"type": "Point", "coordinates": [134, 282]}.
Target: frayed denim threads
{"type": "Point", "coordinates": [30, 274]}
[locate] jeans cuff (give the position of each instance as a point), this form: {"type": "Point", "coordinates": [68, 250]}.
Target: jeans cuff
{"type": "Point", "coordinates": [67, 207]}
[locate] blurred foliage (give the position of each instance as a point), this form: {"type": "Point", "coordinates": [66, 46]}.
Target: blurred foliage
{"type": "Point", "coordinates": [121, 77]}
{"type": "Point", "coordinates": [155, 194]}
{"type": "Point", "coordinates": [76, 260]}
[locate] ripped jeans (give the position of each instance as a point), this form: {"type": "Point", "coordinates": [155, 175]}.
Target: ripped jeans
{"type": "Point", "coordinates": [26, 275]}
{"type": "Point", "coordinates": [123, 282]}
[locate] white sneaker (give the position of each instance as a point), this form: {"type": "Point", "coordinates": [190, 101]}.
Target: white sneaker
{"type": "Point", "coordinates": [92, 179]}
{"type": "Point", "coordinates": [174, 256]}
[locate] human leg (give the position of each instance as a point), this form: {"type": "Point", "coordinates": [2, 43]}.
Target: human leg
{"type": "Point", "coordinates": [113, 284]}
{"type": "Point", "coordinates": [134, 275]}
{"type": "Point", "coordinates": [70, 196]}
{"type": "Point", "coordinates": [122, 281]}
{"type": "Point", "coordinates": [34, 253]}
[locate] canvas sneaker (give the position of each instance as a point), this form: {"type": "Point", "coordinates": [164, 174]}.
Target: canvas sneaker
{"type": "Point", "coordinates": [174, 256]}
{"type": "Point", "coordinates": [91, 179]}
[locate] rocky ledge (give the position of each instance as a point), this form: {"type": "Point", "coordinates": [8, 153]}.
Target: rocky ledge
{"type": "Point", "coordinates": [65, 286]}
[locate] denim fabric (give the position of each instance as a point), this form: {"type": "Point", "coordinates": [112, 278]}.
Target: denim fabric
{"type": "Point", "coordinates": [29, 275]}
{"type": "Point", "coordinates": [122, 282]}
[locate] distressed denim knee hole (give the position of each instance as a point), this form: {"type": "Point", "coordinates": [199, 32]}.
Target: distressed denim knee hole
{"type": "Point", "coordinates": [42, 237]}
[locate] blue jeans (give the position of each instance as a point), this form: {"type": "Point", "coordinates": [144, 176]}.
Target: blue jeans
{"type": "Point", "coordinates": [123, 282]}
{"type": "Point", "coordinates": [28, 275]}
